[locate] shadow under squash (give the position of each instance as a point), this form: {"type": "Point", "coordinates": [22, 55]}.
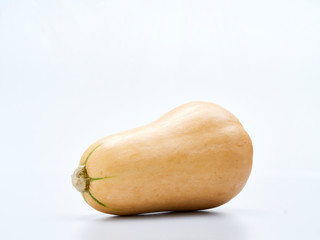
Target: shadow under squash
{"type": "Point", "coordinates": [166, 225]}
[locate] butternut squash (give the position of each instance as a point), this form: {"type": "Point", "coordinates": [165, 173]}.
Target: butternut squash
{"type": "Point", "coordinates": [197, 156]}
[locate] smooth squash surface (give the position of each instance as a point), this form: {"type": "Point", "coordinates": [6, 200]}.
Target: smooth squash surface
{"type": "Point", "coordinates": [197, 156]}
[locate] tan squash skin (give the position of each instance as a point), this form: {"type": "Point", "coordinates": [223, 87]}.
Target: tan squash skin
{"type": "Point", "coordinates": [197, 156]}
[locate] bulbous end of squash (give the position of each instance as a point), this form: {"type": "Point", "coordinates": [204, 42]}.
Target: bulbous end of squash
{"type": "Point", "coordinates": [80, 179]}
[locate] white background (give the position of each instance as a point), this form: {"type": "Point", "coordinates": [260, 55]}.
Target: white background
{"type": "Point", "coordinates": [72, 72]}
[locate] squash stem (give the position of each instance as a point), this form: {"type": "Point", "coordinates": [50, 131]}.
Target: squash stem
{"type": "Point", "coordinates": [80, 179]}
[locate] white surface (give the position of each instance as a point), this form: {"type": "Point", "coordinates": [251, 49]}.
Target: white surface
{"type": "Point", "coordinates": [72, 72]}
